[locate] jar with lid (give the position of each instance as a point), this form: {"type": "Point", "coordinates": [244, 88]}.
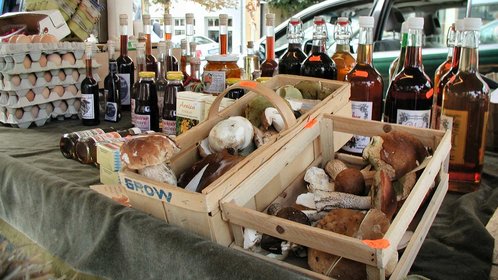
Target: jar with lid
{"type": "Point", "coordinates": [218, 69]}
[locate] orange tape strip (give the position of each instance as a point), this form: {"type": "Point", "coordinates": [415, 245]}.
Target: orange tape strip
{"type": "Point", "coordinates": [311, 123]}
{"type": "Point", "coordinates": [377, 244]}
{"type": "Point", "coordinates": [248, 84]}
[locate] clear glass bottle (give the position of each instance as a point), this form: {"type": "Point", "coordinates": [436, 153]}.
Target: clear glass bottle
{"type": "Point", "coordinates": [168, 27]}
{"type": "Point", "coordinates": [251, 62]}
{"type": "Point", "coordinates": [112, 88]}
{"type": "Point", "coordinates": [175, 85]}
{"type": "Point", "coordinates": [398, 62]}
{"type": "Point", "coordinates": [342, 57]}
{"type": "Point", "coordinates": [184, 58]}
{"type": "Point", "coordinates": [438, 88]}
{"type": "Point", "coordinates": [150, 60]}
{"type": "Point", "coordinates": [147, 111]}
{"type": "Point", "coordinates": [126, 68]}
{"type": "Point", "coordinates": [269, 65]}
{"type": "Point", "coordinates": [189, 30]}
{"type": "Point", "coordinates": [319, 64]}
{"type": "Point", "coordinates": [366, 85]}
{"type": "Point", "coordinates": [223, 18]}
{"type": "Point", "coordinates": [89, 110]}
{"type": "Point", "coordinates": [465, 111]}
{"type": "Point", "coordinates": [291, 60]}
{"type": "Point", "coordinates": [161, 81]}
{"type": "Point", "coordinates": [171, 61]}
{"type": "Point", "coordinates": [410, 95]}
{"type": "Point", "coordinates": [140, 68]}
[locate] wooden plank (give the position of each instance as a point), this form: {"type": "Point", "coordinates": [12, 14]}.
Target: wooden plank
{"type": "Point", "coordinates": [420, 233]}
{"type": "Point", "coordinates": [220, 230]}
{"type": "Point", "coordinates": [313, 237]}
{"type": "Point", "coordinates": [327, 139]}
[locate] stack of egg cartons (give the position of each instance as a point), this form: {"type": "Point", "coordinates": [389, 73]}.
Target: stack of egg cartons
{"type": "Point", "coordinates": [39, 81]}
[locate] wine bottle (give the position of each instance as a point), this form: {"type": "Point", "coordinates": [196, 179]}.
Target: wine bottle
{"type": "Point", "coordinates": [342, 57]}
{"type": "Point", "coordinates": [170, 60]}
{"type": "Point", "coordinates": [410, 95]}
{"type": "Point", "coordinates": [223, 40]}
{"type": "Point", "coordinates": [398, 62]}
{"type": "Point", "coordinates": [291, 60]}
{"type": "Point", "coordinates": [112, 88]}
{"type": "Point", "coordinates": [169, 108]}
{"type": "Point", "coordinates": [168, 27]}
{"type": "Point", "coordinates": [465, 111]}
{"type": "Point", "coordinates": [126, 68]}
{"type": "Point", "coordinates": [161, 82]}
{"type": "Point", "coordinates": [269, 65]}
{"type": "Point", "coordinates": [150, 60]}
{"type": "Point", "coordinates": [184, 58]}
{"type": "Point", "coordinates": [89, 110]}
{"type": "Point", "coordinates": [140, 68]}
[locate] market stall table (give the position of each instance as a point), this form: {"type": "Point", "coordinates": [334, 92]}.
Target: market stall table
{"type": "Point", "coordinates": [46, 197]}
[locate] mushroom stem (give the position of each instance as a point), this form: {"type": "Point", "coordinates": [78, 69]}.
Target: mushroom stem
{"type": "Point", "coordinates": [343, 200]}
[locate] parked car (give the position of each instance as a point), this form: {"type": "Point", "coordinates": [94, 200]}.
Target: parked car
{"type": "Point", "coordinates": [205, 45]}
{"type": "Point", "coordinates": [389, 14]}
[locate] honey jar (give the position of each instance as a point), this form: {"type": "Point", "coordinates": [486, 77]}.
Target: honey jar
{"type": "Point", "coordinates": [218, 69]}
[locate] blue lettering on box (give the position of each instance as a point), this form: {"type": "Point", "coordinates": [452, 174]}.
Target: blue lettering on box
{"type": "Point", "coordinates": [147, 190]}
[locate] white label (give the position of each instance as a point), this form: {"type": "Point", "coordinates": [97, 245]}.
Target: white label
{"type": "Point", "coordinates": [111, 111]}
{"type": "Point", "coordinates": [361, 110]}
{"type": "Point", "coordinates": [132, 111]}
{"type": "Point", "coordinates": [90, 132]}
{"type": "Point", "coordinates": [87, 106]}
{"type": "Point", "coordinates": [446, 123]}
{"type": "Point", "coordinates": [214, 81]}
{"type": "Point", "coordinates": [142, 122]}
{"type": "Point", "coordinates": [124, 86]}
{"type": "Point", "coordinates": [415, 118]}
{"type": "Point", "coordinates": [169, 127]}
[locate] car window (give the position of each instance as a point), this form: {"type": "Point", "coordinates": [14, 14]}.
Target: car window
{"type": "Point", "coordinates": [201, 40]}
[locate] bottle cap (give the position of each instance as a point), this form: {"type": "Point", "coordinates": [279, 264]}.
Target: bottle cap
{"type": "Point", "coordinates": [146, 74]}
{"type": "Point", "coordinates": [270, 19]}
{"type": "Point", "coordinates": [123, 19]}
{"type": "Point", "coordinates": [295, 21]}
{"type": "Point", "coordinates": [415, 23]}
{"type": "Point", "coordinates": [183, 43]}
{"type": "Point", "coordinates": [146, 19]}
{"type": "Point", "coordinates": [189, 18]}
{"type": "Point", "coordinates": [174, 75]}
{"type": "Point", "coordinates": [472, 24]}
{"type": "Point", "coordinates": [223, 58]}
{"type": "Point", "coordinates": [366, 21]}
{"type": "Point", "coordinates": [459, 25]}
{"type": "Point", "coordinates": [404, 27]}
{"type": "Point", "coordinates": [168, 19]}
{"type": "Point", "coordinates": [342, 20]}
{"type": "Point", "coordinates": [250, 44]}
{"type": "Point", "coordinates": [318, 20]}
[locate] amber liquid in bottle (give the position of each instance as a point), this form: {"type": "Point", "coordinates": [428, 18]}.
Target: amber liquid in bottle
{"type": "Point", "coordinates": [342, 57]}
{"type": "Point", "coordinates": [269, 66]}
{"type": "Point", "coordinates": [223, 44]}
{"type": "Point", "coordinates": [290, 62]}
{"type": "Point", "coordinates": [319, 64]}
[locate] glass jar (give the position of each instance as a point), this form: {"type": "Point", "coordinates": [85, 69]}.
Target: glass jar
{"type": "Point", "coordinates": [218, 69]}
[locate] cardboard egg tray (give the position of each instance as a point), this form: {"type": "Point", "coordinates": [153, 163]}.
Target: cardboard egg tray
{"type": "Point", "coordinates": [27, 81]}
{"type": "Point", "coordinates": [20, 50]}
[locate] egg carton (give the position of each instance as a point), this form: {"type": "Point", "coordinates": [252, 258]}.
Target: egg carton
{"type": "Point", "coordinates": [26, 116]}
{"type": "Point", "coordinates": [54, 77]}
{"type": "Point", "coordinates": [12, 100]}
{"type": "Point", "coordinates": [19, 51]}
{"type": "Point", "coordinates": [64, 109]}
{"type": "Point", "coordinates": [11, 68]}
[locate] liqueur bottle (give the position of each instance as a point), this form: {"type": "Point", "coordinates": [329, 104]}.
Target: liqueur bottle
{"type": "Point", "coordinates": [150, 60]}
{"type": "Point", "coordinates": [465, 112]}
{"type": "Point", "coordinates": [184, 58]}
{"type": "Point", "coordinates": [89, 110]}
{"type": "Point", "coordinates": [193, 82]}
{"type": "Point", "coordinates": [410, 95]}
{"type": "Point", "coordinates": [438, 88]}
{"type": "Point", "coordinates": [251, 62]}
{"type": "Point", "coordinates": [342, 57]}
{"type": "Point", "coordinates": [112, 88]}
{"type": "Point", "coordinates": [223, 34]}
{"type": "Point", "coordinates": [147, 111]}
{"type": "Point", "coordinates": [170, 60]}
{"type": "Point", "coordinates": [269, 66]}
{"type": "Point", "coordinates": [161, 82]}
{"type": "Point", "coordinates": [291, 60]}
{"type": "Point", "coordinates": [168, 27]}
{"type": "Point", "coordinates": [140, 68]}
{"type": "Point", "coordinates": [398, 62]}
{"type": "Point", "coordinates": [189, 30]}
{"type": "Point", "coordinates": [169, 108]}
{"type": "Point", "coordinates": [319, 64]}
{"type": "Point", "coordinates": [366, 85]}
{"type": "Point", "coordinates": [126, 68]}
{"type": "Point", "coordinates": [446, 65]}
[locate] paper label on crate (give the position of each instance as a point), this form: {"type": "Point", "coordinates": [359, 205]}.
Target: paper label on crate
{"type": "Point", "coordinates": [111, 111]}
{"type": "Point", "coordinates": [142, 122]}
{"type": "Point", "coordinates": [190, 109]}
{"type": "Point", "coordinates": [87, 106]}
{"type": "Point", "coordinates": [456, 121]}
{"type": "Point", "coordinates": [361, 110]}
{"type": "Point", "coordinates": [214, 81]}
{"type": "Point", "coordinates": [125, 88]}
{"type": "Point", "coordinates": [169, 127]}
{"type": "Point", "coordinates": [146, 190]}
{"type": "Point", "coordinates": [415, 118]}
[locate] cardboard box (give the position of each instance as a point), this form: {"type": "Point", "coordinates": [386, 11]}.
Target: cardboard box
{"type": "Point", "coordinates": [48, 21]}
{"type": "Point", "coordinates": [108, 156]}
{"type": "Point", "coordinates": [109, 177]}
{"type": "Point", "coordinates": [189, 110]}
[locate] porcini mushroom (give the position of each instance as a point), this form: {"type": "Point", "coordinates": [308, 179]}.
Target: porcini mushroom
{"type": "Point", "coordinates": [233, 133]}
{"type": "Point", "coordinates": [271, 117]}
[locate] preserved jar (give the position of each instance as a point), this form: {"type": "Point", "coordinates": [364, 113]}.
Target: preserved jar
{"type": "Point", "coordinates": [217, 70]}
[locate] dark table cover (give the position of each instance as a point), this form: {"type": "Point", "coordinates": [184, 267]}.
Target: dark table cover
{"type": "Point", "coordinates": [46, 197]}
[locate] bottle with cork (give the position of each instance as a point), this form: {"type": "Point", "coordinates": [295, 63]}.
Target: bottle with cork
{"type": "Point", "coordinates": [150, 60]}
{"type": "Point", "coordinates": [251, 63]}
{"type": "Point", "coordinates": [126, 68]}
{"type": "Point", "coordinates": [168, 27]}
{"type": "Point", "coordinates": [342, 57]}
{"type": "Point", "coordinates": [189, 30]}
{"type": "Point", "coordinates": [112, 89]}
{"type": "Point", "coordinates": [90, 109]}
{"type": "Point", "coordinates": [290, 62]}
{"type": "Point", "coordinates": [161, 81]}
{"type": "Point", "coordinates": [140, 68]}
{"type": "Point", "coordinates": [269, 65]}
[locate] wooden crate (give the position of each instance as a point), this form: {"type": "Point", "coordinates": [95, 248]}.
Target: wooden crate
{"type": "Point", "coordinates": [280, 179]}
{"type": "Point", "coordinates": [200, 212]}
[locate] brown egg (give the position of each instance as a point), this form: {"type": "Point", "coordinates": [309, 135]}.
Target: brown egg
{"type": "Point", "coordinates": [19, 113]}
{"type": "Point", "coordinates": [13, 39]}
{"type": "Point", "coordinates": [47, 76]}
{"type": "Point", "coordinates": [43, 60]}
{"type": "Point", "coordinates": [59, 90]}
{"type": "Point", "coordinates": [63, 106]}
{"type": "Point", "coordinates": [30, 95]}
{"type": "Point", "coordinates": [55, 59]}
{"type": "Point", "coordinates": [23, 39]}
{"type": "Point", "coordinates": [48, 38]}
{"type": "Point", "coordinates": [46, 93]}
{"type": "Point", "coordinates": [77, 104]}
{"type": "Point", "coordinates": [34, 111]}
{"type": "Point", "coordinates": [27, 62]}
{"type": "Point", "coordinates": [49, 108]}
{"type": "Point", "coordinates": [76, 75]}
{"type": "Point", "coordinates": [62, 75]}
{"type": "Point", "coordinates": [16, 80]}
{"type": "Point", "coordinates": [69, 57]}
{"type": "Point", "coordinates": [72, 89]}
{"type": "Point", "coordinates": [32, 78]}
{"type": "Point", "coordinates": [36, 39]}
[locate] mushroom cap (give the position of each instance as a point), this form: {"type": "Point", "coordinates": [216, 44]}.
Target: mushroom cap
{"type": "Point", "coordinates": [350, 180]}
{"type": "Point", "coordinates": [146, 150]}
{"type": "Point", "coordinates": [233, 133]}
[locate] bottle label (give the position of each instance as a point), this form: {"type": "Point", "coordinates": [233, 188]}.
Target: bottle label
{"type": "Point", "coordinates": [111, 111]}
{"type": "Point", "coordinates": [106, 136]}
{"type": "Point", "coordinates": [142, 122]}
{"type": "Point", "coordinates": [169, 127]}
{"type": "Point", "coordinates": [87, 106]}
{"type": "Point", "coordinates": [124, 86]}
{"type": "Point", "coordinates": [361, 110]}
{"type": "Point", "coordinates": [89, 132]}
{"type": "Point", "coordinates": [415, 118]}
{"type": "Point", "coordinates": [456, 121]}
{"type": "Point", "coordinates": [214, 81]}
{"type": "Point", "coordinates": [132, 105]}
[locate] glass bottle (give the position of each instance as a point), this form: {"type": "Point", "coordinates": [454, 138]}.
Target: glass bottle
{"type": "Point", "coordinates": [223, 34]}
{"type": "Point", "coordinates": [147, 111]}
{"type": "Point", "coordinates": [150, 60]}
{"type": "Point", "coordinates": [319, 64]}
{"type": "Point", "coordinates": [342, 57]}
{"type": "Point", "coordinates": [410, 95]}
{"type": "Point", "coordinates": [140, 68]}
{"type": "Point", "coordinates": [438, 88]}
{"type": "Point", "coordinates": [398, 62]}
{"type": "Point", "coordinates": [169, 108]}
{"type": "Point", "coordinates": [171, 61]}
{"type": "Point", "coordinates": [184, 58]}
{"type": "Point", "coordinates": [269, 65]}
{"type": "Point", "coordinates": [90, 111]}
{"type": "Point", "coordinates": [465, 112]}
{"type": "Point", "coordinates": [193, 82]}
{"type": "Point", "coordinates": [112, 88]}
{"type": "Point", "coordinates": [161, 82]}
{"type": "Point", "coordinates": [290, 62]}
{"type": "Point", "coordinates": [126, 68]}
{"type": "Point", "coordinates": [168, 27]}
{"type": "Point", "coordinates": [444, 67]}
{"type": "Point", "coordinates": [251, 62]}
{"type": "Point", "coordinates": [234, 93]}
{"type": "Point", "coordinates": [366, 85]}
{"type": "Point", "coordinates": [68, 141]}
{"type": "Point", "coordinates": [189, 30]}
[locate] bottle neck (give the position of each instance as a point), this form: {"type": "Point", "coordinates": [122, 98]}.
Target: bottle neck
{"type": "Point", "coordinates": [88, 67]}
{"type": "Point", "coordinates": [140, 60]}
{"type": "Point", "coordinates": [469, 57]}
{"type": "Point", "coordinates": [195, 70]}
{"type": "Point", "coordinates": [148, 43]}
{"type": "Point", "coordinates": [183, 61]}
{"type": "Point", "coordinates": [223, 39]}
{"type": "Point", "coordinates": [404, 40]}
{"type": "Point", "coordinates": [161, 66]}
{"type": "Point", "coordinates": [318, 45]}
{"type": "Point", "coordinates": [365, 46]}
{"type": "Point", "coordinates": [113, 66]}
{"type": "Point", "coordinates": [168, 32]}
{"type": "Point", "coordinates": [341, 47]}
{"type": "Point", "coordinates": [123, 50]}
{"type": "Point", "coordinates": [413, 56]}
{"type": "Point", "coordinates": [270, 47]}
